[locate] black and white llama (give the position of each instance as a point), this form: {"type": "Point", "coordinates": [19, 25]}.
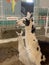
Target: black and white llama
{"type": "Point", "coordinates": [31, 42]}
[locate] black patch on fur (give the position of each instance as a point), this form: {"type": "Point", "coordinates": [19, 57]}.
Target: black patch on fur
{"type": "Point", "coordinates": [27, 22]}
{"type": "Point", "coordinates": [37, 48]}
{"type": "Point", "coordinates": [32, 19]}
{"type": "Point", "coordinates": [42, 57]}
{"type": "Point", "coordinates": [33, 39]}
{"type": "Point", "coordinates": [33, 29]}
{"type": "Point", "coordinates": [42, 63]}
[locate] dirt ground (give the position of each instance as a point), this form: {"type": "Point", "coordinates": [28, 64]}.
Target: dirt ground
{"type": "Point", "coordinates": [9, 54]}
{"type": "Point", "coordinates": [12, 33]}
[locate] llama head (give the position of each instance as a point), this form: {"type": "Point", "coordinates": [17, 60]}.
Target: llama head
{"type": "Point", "coordinates": [28, 19]}
{"type": "Point", "coordinates": [29, 22]}
{"type": "Point", "coordinates": [26, 22]}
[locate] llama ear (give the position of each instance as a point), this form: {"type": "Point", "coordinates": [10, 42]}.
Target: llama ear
{"type": "Point", "coordinates": [17, 33]}
{"type": "Point", "coordinates": [21, 32]}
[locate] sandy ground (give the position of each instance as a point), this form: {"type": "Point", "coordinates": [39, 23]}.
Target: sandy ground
{"type": "Point", "coordinates": [9, 54]}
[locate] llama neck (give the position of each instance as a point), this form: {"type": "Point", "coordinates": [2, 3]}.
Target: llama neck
{"type": "Point", "coordinates": [28, 28]}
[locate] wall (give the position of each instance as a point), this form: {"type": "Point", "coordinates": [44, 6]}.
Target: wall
{"type": "Point", "coordinates": [44, 3]}
{"type": "Point", "coordinates": [7, 11]}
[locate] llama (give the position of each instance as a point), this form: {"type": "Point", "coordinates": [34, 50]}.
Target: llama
{"type": "Point", "coordinates": [32, 47]}
{"type": "Point", "coordinates": [23, 57]}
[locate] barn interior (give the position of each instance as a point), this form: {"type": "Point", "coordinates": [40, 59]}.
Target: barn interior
{"type": "Point", "coordinates": [10, 12]}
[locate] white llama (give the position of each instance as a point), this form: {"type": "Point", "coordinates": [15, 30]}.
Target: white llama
{"type": "Point", "coordinates": [23, 57]}
{"type": "Point", "coordinates": [32, 47]}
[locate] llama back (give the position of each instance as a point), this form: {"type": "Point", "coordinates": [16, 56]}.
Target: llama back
{"type": "Point", "coordinates": [33, 50]}
{"type": "Point", "coordinates": [33, 47]}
